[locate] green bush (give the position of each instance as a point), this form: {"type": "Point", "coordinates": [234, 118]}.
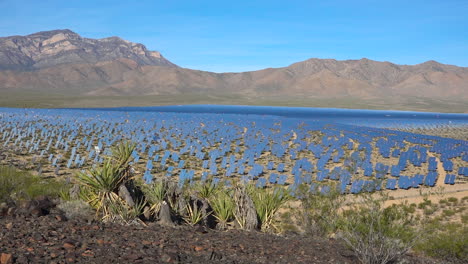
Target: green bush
{"type": "Point", "coordinates": [120, 212]}
{"type": "Point", "coordinates": [378, 234]}
{"type": "Point", "coordinates": [453, 200]}
{"type": "Point", "coordinates": [320, 213]}
{"type": "Point", "coordinates": [424, 204]}
{"type": "Point", "coordinates": [22, 185]}
{"type": "Point", "coordinates": [449, 243]}
{"type": "Point", "coordinates": [448, 212]}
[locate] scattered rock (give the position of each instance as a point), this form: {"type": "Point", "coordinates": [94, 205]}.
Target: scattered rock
{"type": "Point", "coordinates": [60, 218]}
{"type": "Point", "coordinates": [68, 246]}
{"type": "Point", "coordinates": [87, 253]}
{"type": "Point", "coordinates": [75, 192]}
{"type": "Point", "coordinates": [125, 194]}
{"type": "Point", "coordinates": [198, 248]}
{"type": "Point", "coordinates": [165, 215]}
{"type": "Point", "coordinates": [6, 258]}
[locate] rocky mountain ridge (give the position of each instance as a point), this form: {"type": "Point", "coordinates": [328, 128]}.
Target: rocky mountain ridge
{"type": "Point", "coordinates": [51, 48]}
{"type": "Point", "coordinates": [62, 62]}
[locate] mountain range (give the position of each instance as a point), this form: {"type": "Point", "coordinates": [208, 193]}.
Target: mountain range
{"type": "Point", "coordinates": [62, 62]}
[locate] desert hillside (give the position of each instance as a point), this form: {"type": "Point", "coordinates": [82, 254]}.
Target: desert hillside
{"type": "Point", "coordinates": [61, 62]}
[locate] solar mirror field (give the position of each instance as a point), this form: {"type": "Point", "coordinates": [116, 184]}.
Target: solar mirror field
{"type": "Point", "coordinates": [359, 151]}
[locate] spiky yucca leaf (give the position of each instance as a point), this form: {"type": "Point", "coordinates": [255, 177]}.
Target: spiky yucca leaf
{"type": "Point", "coordinates": [207, 189]}
{"type": "Point", "coordinates": [194, 214]}
{"type": "Point", "coordinates": [156, 194]}
{"type": "Point", "coordinates": [122, 153]}
{"type": "Point", "coordinates": [267, 202]}
{"type": "Point", "coordinates": [101, 185]}
{"type": "Point", "coordinates": [120, 212]}
{"type": "Point", "coordinates": [223, 208]}
{"type": "Point", "coordinates": [122, 156]}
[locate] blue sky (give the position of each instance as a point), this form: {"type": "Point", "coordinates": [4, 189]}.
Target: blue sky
{"type": "Point", "coordinates": [250, 35]}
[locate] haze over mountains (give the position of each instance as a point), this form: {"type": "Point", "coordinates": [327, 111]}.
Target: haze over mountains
{"type": "Point", "coordinates": [62, 62]}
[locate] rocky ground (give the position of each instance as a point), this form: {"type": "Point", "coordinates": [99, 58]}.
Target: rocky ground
{"type": "Point", "coordinates": [38, 232]}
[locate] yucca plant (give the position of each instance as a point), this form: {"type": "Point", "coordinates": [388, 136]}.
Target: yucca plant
{"type": "Point", "coordinates": [267, 202]}
{"type": "Point", "coordinates": [65, 195]}
{"type": "Point", "coordinates": [121, 212]}
{"type": "Point", "coordinates": [155, 193]}
{"type": "Point", "coordinates": [122, 156]}
{"type": "Point", "coordinates": [206, 190]}
{"type": "Point", "coordinates": [122, 152]}
{"type": "Point", "coordinates": [223, 208]}
{"type": "Point", "coordinates": [194, 214]}
{"type": "Point", "coordinates": [101, 186]}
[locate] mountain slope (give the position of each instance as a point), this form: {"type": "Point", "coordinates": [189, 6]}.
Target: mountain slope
{"type": "Point", "coordinates": [62, 62]}
{"type": "Point", "coordinates": [51, 48]}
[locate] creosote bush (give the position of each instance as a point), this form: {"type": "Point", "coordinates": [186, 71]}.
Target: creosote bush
{"type": "Point", "coordinates": [320, 212]}
{"type": "Point", "coordinates": [446, 241]}
{"type": "Point", "coordinates": [378, 234]}
{"type": "Point", "coordinates": [22, 185]}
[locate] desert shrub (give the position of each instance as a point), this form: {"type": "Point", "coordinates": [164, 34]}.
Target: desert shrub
{"type": "Point", "coordinates": [320, 213]}
{"type": "Point", "coordinates": [410, 209]}
{"type": "Point", "coordinates": [288, 222]}
{"type": "Point", "coordinates": [446, 241]}
{"type": "Point", "coordinates": [453, 200]}
{"type": "Point", "coordinates": [464, 219]}
{"type": "Point", "coordinates": [448, 212]}
{"type": "Point", "coordinates": [377, 234]}
{"type": "Point", "coordinates": [429, 210]}
{"type": "Point", "coordinates": [424, 204]}
{"type": "Point", "coordinates": [21, 185]}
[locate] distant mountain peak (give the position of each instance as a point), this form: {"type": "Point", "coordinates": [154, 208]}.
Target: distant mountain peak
{"type": "Point", "coordinates": [63, 62]}
{"type": "Point", "coordinates": [432, 62]}
{"type": "Point", "coordinates": [63, 46]}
